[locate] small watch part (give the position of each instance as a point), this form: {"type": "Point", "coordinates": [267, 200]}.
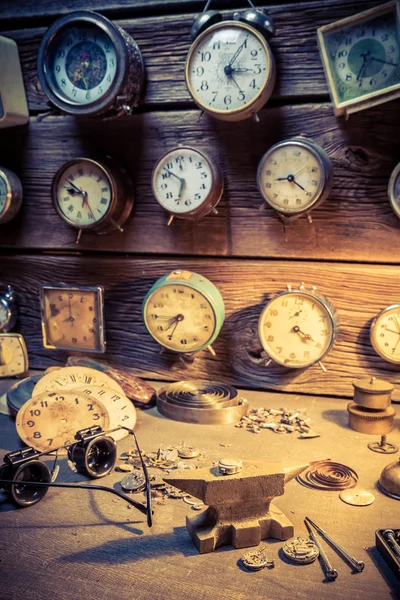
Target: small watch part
{"type": "Point", "coordinates": [134, 482]}
{"type": "Point", "coordinates": [188, 451]}
{"type": "Point", "coordinates": [300, 550]}
{"type": "Point", "coordinates": [256, 559]}
{"type": "Point", "coordinates": [10, 195]}
{"type": "Point", "coordinates": [13, 355]}
{"type": "Point", "coordinates": [8, 310]}
{"type": "Point", "coordinates": [357, 497]}
{"type": "Point", "coordinates": [371, 392]}
{"type": "Point", "coordinates": [368, 420]}
{"type": "Point", "coordinates": [230, 466]}
{"type": "Point", "coordinates": [383, 446]}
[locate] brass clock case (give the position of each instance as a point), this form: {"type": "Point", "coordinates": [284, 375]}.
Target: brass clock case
{"type": "Point", "coordinates": [374, 333]}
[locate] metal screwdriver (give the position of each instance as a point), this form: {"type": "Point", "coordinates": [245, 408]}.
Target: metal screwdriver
{"type": "Point", "coordinates": [331, 573]}
{"type": "Point", "coordinates": [357, 565]}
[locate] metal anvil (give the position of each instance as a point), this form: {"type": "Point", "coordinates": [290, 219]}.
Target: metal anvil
{"type": "Point", "coordinates": [239, 506]}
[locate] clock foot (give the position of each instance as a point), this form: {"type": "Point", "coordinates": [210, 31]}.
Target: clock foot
{"type": "Point", "coordinates": [211, 350]}
{"type": "Point", "coordinates": [322, 366]}
{"type": "Point", "coordinates": [78, 237]}
{"type": "Point", "coordinates": [114, 224]}
{"type": "Point", "coordinates": [170, 220]}
{"type": "Point", "coordinates": [309, 218]}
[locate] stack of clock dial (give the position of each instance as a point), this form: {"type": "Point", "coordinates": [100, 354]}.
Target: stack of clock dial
{"type": "Point", "coordinates": [69, 399]}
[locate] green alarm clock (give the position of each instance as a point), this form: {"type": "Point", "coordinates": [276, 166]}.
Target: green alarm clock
{"type": "Point", "coordinates": [184, 312]}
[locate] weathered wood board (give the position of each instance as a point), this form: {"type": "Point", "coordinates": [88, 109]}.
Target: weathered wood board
{"type": "Point", "coordinates": [358, 292]}
{"type": "Point", "coordinates": [355, 219]}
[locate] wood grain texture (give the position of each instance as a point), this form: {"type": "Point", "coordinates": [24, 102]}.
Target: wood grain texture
{"type": "Point", "coordinates": [357, 292]}
{"type": "Point", "coordinates": [354, 220]}
{"type": "Point", "coordinates": [165, 41]}
{"type": "Point", "coordinates": [82, 544]}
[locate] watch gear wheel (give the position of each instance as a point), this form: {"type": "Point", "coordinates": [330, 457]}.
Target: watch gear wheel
{"type": "Point", "coordinates": [300, 550]}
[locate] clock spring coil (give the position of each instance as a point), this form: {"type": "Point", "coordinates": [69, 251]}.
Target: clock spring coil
{"type": "Point", "coordinates": [201, 402]}
{"type": "Point", "coordinates": [328, 475]}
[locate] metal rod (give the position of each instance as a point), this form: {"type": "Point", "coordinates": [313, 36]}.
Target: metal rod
{"type": "Point", "coordinates": [357, 565]}
{"type": "Point", "coordinates": [388, 534]}
{"type": "Point", "coordinates": [330, 572]}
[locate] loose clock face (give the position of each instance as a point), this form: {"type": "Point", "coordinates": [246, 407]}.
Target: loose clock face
{"type": "Point", "coordinates": [3, 194]}
{"type": "Point", "coordinates": [364, 57]}
{"type": "Point", "coordinates": [82, 193]}
{"type": "Point", "coordinates": [183, 180]}
{"type": "Point", "coordinates": [120, 409]}
{"type": "Point", "coordinates": [291, 176]}
{"type": "Point", "coordinates": [13, 355]}
{"type": "Point", "coordinates": [385, 334]}
{"type": "Point", "coordinates": [296, 329]}
{"type": "Point", "coordinates": [179, 318]}
{"type": "Point", "coordinates": [73, 318]}
{"type": "Point", "coordinates": [228, 68]}
{"type": "Point", "coordinates": [69, 378]}
{"type": "Point", "coordinates": [81, 63]}
{"type": "Point", "coordinates": [52, 419]}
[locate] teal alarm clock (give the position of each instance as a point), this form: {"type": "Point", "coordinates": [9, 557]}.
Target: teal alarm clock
{"type": "Point", "coordinates": [184, 312]}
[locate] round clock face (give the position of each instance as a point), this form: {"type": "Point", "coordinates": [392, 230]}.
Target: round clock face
{"type": "Point", "coordinates": [82, 193]}
{"type": "Point", "coordinates": [179, 318]}
{"type": "Point", "coordinates": [228, 68]}
{"type": "Point", "coordinates": [394, 190]}
{"type": "Point", "coordinates": [81, 63]}
{"type": "Point", "coordinates": [4, 313]}
{"type": "Point", "coordinates": [385, 334]}
{"type": "Point", "coordinates": [69, 378]}
{"type": "Point", "coordinates": [3, 194]}
{"type": "Point", "coordinates": [183, 181]}
{"type": "Point", "coordinates": [296, 329]}
{"type": "Point", "coordinates": [13, 355]}
{"type": "Point", "coordinates": [291, 176]}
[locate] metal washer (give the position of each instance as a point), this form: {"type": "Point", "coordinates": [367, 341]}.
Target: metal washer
{"type": "Point", "coordinates": [357, 497]}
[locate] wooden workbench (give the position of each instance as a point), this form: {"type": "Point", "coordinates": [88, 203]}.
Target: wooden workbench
{"type": "Point", "coordinates": [90, 545]}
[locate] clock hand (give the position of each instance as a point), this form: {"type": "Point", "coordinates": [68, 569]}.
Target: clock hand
{"type": "Point", "coordinates": [238, 51]}
{"type": "Point", "coordinates": [394, 349]}
{"type": "Point", "coordinates": [77, 190]}
{"type": "Point", "coordinates": [364, 56]}
{"type": "Point", "coordinates": [86, 200]}
{"type": "Point", "coordinates": [300, 186]}
{"type": "Point", "coordinates": [384, 61]}
{"type": "Point", "coordinates": [307, 336]}
{"type": "Point", "coordinates": [392, 331]}
{"type": "Point", "coordinates": [173, 174]}
{"type": "Point", "coordinates": [241, 70]}
{"type": "Point", "coordinates": [181, 187]}
{"type": "Point", "coordinates": [236, 83]}
{"type": "Point", "coordinates": [397, 322]}
{"type": "Point", "coordinates": [301, 171]}
{"type": "Point", "coordinates": [173, 331]}
{"type": "Point", "coordinates": [296, 314]}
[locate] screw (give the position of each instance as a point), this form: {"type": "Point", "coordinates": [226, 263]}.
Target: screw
{"type": "Point", "coordinates": [331, 573]}
{"type": "Point", "coordinates": [357, 565]}
{"type": "Point", "coordinates": [388, 534]}
{"type": "Point", "coordinates": [382, 443]}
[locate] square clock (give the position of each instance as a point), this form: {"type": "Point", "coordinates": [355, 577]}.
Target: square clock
{"type": "Point", "coordinates": [361, 58]}
{"type": "Point", "coordinates": [73, 318]}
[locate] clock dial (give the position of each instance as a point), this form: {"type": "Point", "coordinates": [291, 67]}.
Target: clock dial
{"type": "Point", "coordinates": [291, 176]}
{"type": "Point", "coordinates": [13, 355]}
{"type": "Point", "coordinates": [179, 318]}
{"type": "Point", "coordinates": [73, 318]}
{"type": "Point", "coordinates": [385, 334]}
{"type": "Point", "coordinates": [296, 329]}
{"type": "Point", "coordinates": [184, 182]}
{"type": "Point", "coordinates": [228, 68]}
{"type": "Point", "coordinates": [394, 190]}
{"type": "Point", "coordinates": [3, 194]}
{"type": "Point", "coordinates": [69, 378]}
{"type": "Point", "coordinates": [83, 194]}
{"type": "Point", "coordinates": [4, 315]}
{"type": "Point", "coordinates": [52, 419]}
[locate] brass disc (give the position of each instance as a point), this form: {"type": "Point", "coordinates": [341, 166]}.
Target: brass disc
{"type": "Point", "coordinates": [357, 497]}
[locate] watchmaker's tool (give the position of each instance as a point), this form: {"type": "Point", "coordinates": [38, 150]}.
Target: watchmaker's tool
{"type": "Point", "coordinates": [239, 510]}
{"type": "Point", "coordinates": [201, 402]}
{"type": "Point", "coordinates": [256, 559]}
{"type": "Point", "coordinates": [357, 565]}
{"type": "Point", "coordinates": [330, 572]}
{"type": "Point", "coordinates": [389, 481]}
{"type": "Point", "coordinates": [371, 411]}
{"type": "Point", "coordinates": [383, 446]}
{"type": "Point", "coordinates": [300, 550]}
{"type": "Point", "coordinates": [328, 475]}
{"type": "Point", "coordinates": [388, 543]}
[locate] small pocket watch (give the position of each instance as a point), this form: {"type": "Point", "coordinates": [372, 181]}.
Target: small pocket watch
{"type": "Point", "coordinates": [184, 312]}
{"type": "Point", "coordinates": [298, 327]}
{"type": "Point", "coordinates": [385, 333]}
{"type": "Point", "coordinates": [394, 190]}
{"type": "Point", "coordinates": [87, 65]}
{"type": "Point", "coordinates": [230, 68]}
{"type": "Point", "coordinates": [93, 196]}
{"type": "Point", "coordinates": [187, 183]}
{"type": "Point", "coordinates": [294, 176]}
{"type": "Point", "coordinates": [72, 318]}
{"type": "Point", "coordinates": [13, 355]}
{"type": "Point", "coordinates": [8, 310]}
{"type": "Point", "coordinates": [10, 195]}
{"type": "Point", "coordinates": [361, 58]}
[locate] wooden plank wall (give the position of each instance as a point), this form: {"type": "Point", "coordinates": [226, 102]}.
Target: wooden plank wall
{"type": "Point", "coordinates": [349, 251]}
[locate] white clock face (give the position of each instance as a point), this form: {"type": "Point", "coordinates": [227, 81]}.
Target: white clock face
{"type": "Point", "coordinates": [82, 64]}
{"type": "Point", "coordinates": [296, 329]}
{"type": "Point", "coordinates": [3, 195]}
{"type": "Point", "coordinates": [228, 68]}
{"type": "Point", "coordinates": [385, 334]}
{"type": "Point", "coordinates": [179, 318]}
{"type": "Point", "coordinates": [290, 177]}
{"type": "Point", "coordinates": [12, 356]}
{"type": "Point", "coordinates": [83, 194]}
{"type": "Point", "coordinates": [4, 314]}
{"type": "Point", "coordinates": [394, 191]}
{"type": "Point", "coordinates": [182, 180]}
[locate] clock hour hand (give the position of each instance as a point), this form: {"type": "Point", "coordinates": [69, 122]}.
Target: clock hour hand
{"type": "Point", "coordinates": [307, 336]}
{"type": "Point", "coordinates": [173, 174]}
{"type": "Point", "coordinates": [241, 70]}
{"type": "Point", "coordinates": [75, 190]}
{"type": "Point", "coordinates": [298, 185]}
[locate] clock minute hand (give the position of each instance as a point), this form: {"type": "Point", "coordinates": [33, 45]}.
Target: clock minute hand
{"type": "Point", "coordinates": [77, 190]}
{"type": "Point", "coordinates": [238, 51]}
{"type": "Point", "coordinates": [384, 61]}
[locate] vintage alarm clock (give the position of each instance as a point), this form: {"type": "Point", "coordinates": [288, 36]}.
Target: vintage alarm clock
{"type": "Point", "coordinates": [13, 105]}
{"type": "Point", "coordinates": [10, 195]}
{"type": "Point", "coordinates": [294, 176]}
{"type": "Point", "coordinates": [93, 196]}
{"type": "Point", "coordinates": [87, 65]}
{"type": "Point", "coordinates": [187, 183]}
{"type": "Point", "coordinates": [184, 312]}
{"type": "Point", "coordinates": [8, 310]}
{"type": "Point", "coordinates": [385, 333]}
{"type": "Point", "coordinates": [230, 68]}
{"type": "Point", "coordinates": [13, 355]}
{"type": "Point", "coordinates": [394, 190]}
{"type": "Point", "coordinates": [73, 318]}
{"type": "Point", "coordinates": [298, 327]}
{"type": "Point", "coordinates": [361, 58]}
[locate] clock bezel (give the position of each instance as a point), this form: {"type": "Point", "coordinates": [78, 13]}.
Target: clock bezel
{"type": "Point", "coordinates": [22, 344]}
{"type": "Point", "coordinates": [372, 332]}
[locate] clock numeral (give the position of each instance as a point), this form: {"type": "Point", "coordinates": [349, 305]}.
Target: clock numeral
{"type": "Point", "coordinates": [198, 165]}
{"type": "Point", "coordinates": [35, 413]}
{"type": "Point", "coordinates": [90, 407]}
{"type": "Point", "coordinates": [197, 196]}
{"type": "Point", "coordinates": [254, 54]}
{"type": "Point", "coordinates": [242, 96]}
{"type": "Point", "coordinates": [63, 82]}
{"type": "Point", "coordinates": [203, 175]}
{"type": "Point", "coordinates": [270, 338]}
{"type": "Point", "coordinates": [200, 71]}
{"type": "Point", "coordinates": [37, 435]}
{"type": "Point", "coordinates": [87, 95]}
{"type": "Point", "coordinates": [286, 201]}
{"type": "Point", "coordinates": [273, 312]}
{"type": "Point", "coordinates": [384, 37]}
{"type": "Point", "coordinates": [325, 332]}
{"type": "Point", "coordinates": [348, 41]}
{"type": "Point", "coordinates": [279, 349]}
{"type": "Point", "coordinates": [168, 195]}
{"type": "Point", "coordinates": [257, 69]}
{"type": "Point", "coordinates": [361, 33]}
{"type": "Point", "coordinates": [183, 342]}
{"type": "Point", "coordinates": [268, 324]}
{"type": "Point", "coordinates": [252, 84]}
{"type": "Point", "coordinates": [228, 100]}
{"type": "Point", "coordinates": [96, 417]}
{"type": "Point", "coordinates": [216, 45]}
{"type": "Point", "coordinates": [204, 85]}
{"type": "Point", "coordinates": [215, 94]}
{"type": "Point", "coordinates": [74, 91]}
{"type": "Point", "coordinates": [100, 90]}
{"type": "Point", "coordinates": [318, 345]}
{"type": "Point", "coordinates": [205, 56]}
{"type": "Point", "coordinates": [58, 68]}
{"type": "Point", "coordinates": [44, 404]}
{"type": "Point", "coordinates": [112, 62]}
{"type": "Point", "coordinates": [292, 355]}
{"type": "Point", "coordinates": [298, 201]}
{"type": "Point", "coordinates": [50, 441]}
{"type": "Point", "coordinates": [342, 53]}
{"type": "Point", "coordinates": [188, 202]}
{"type": "Point", "coordinates": [30, 423]}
